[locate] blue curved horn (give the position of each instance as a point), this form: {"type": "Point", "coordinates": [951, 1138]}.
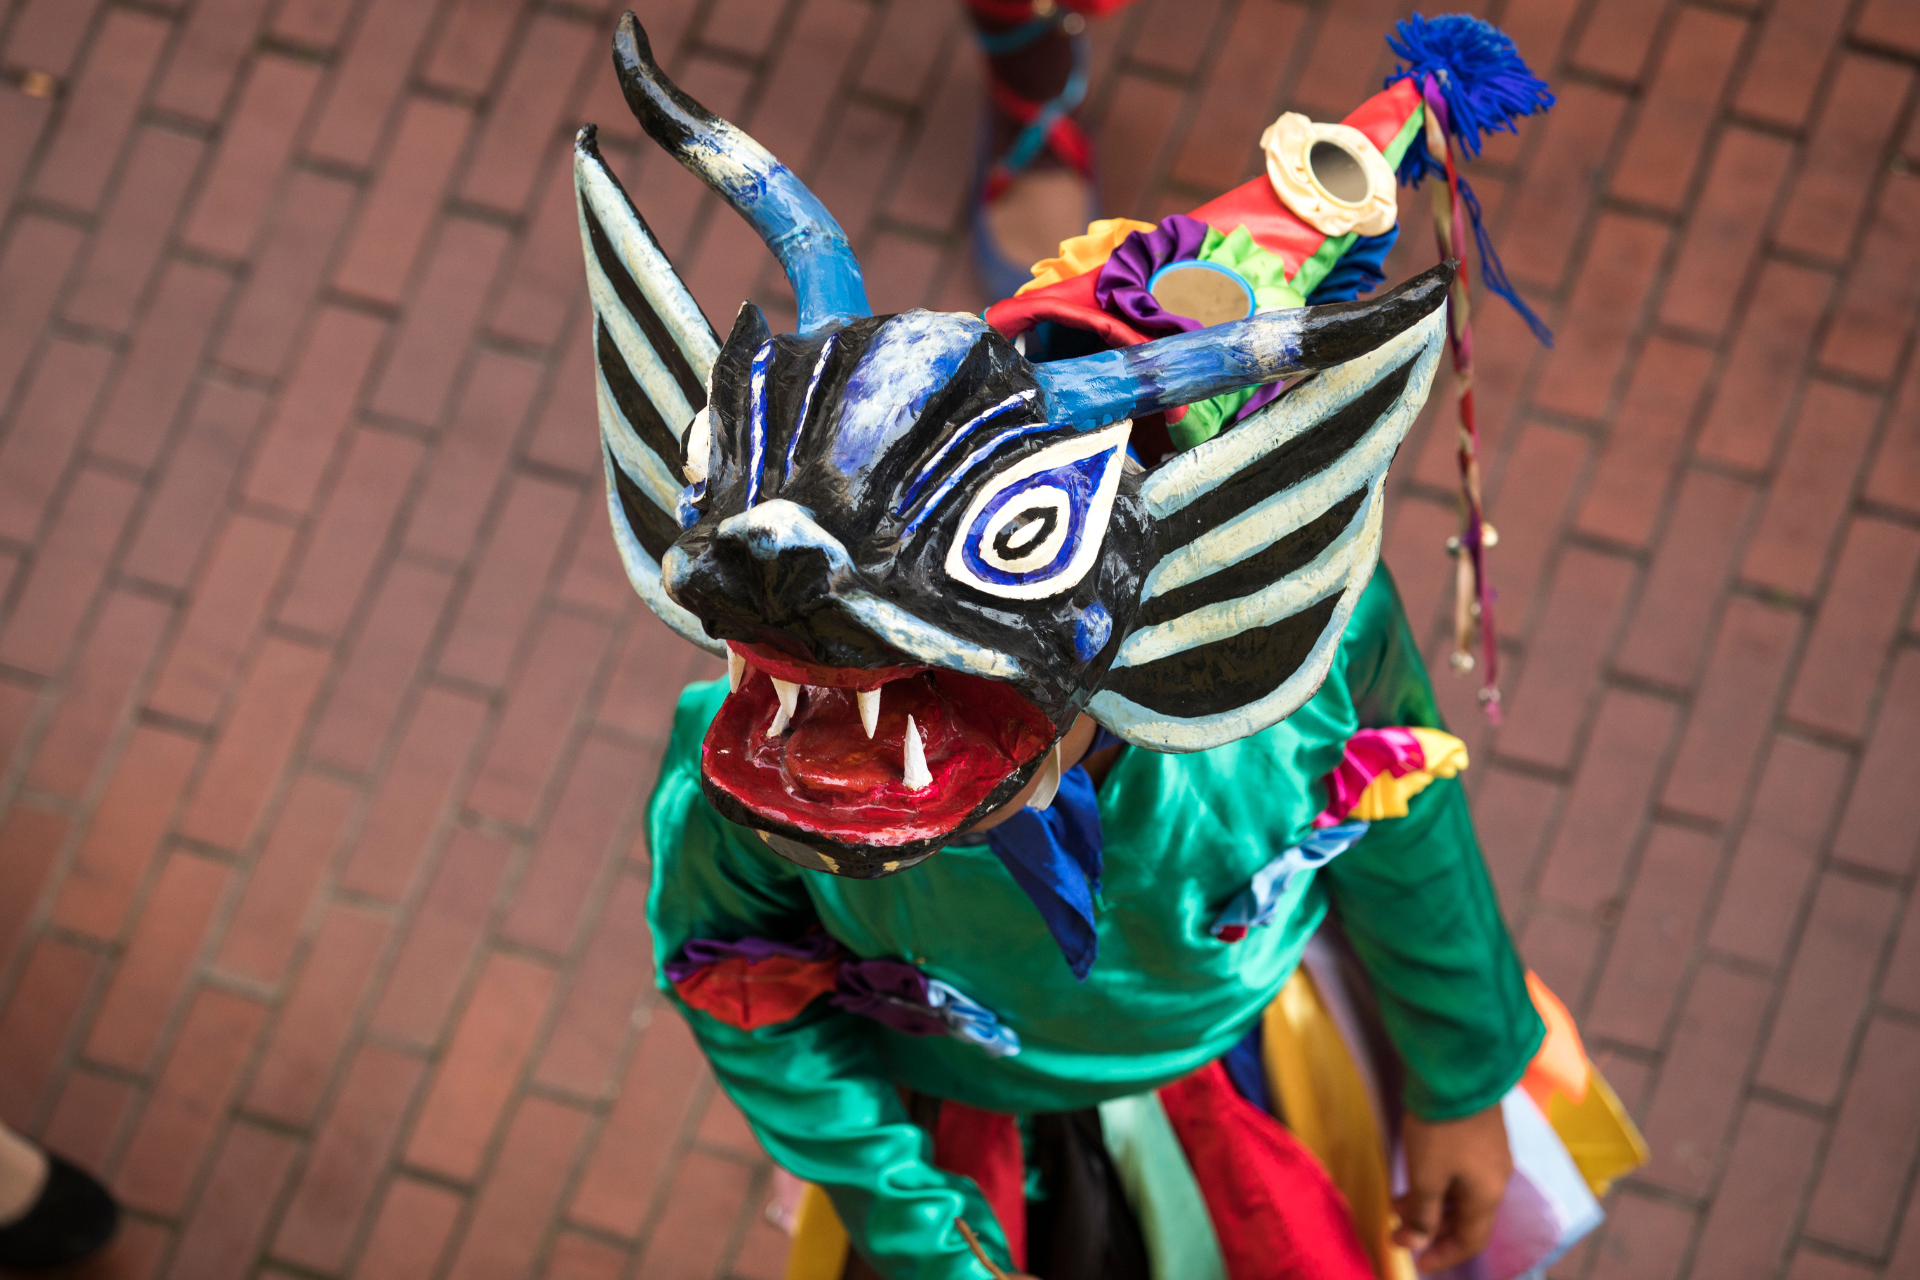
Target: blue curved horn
{"type": "Point", "coordinates": [1091, 391]}
{"type": "Point", "coordinates": [796, 226]}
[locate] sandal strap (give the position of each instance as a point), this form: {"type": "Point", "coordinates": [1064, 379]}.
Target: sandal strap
{"type": "Point", "coordinates": [1049, 125]}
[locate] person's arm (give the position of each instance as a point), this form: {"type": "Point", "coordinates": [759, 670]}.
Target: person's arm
{"type": "Point", "coordinates": [810, 1086]}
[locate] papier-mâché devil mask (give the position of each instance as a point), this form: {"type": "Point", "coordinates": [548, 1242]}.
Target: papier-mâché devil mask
{"type": "Point", "coordinates": [925, 556]}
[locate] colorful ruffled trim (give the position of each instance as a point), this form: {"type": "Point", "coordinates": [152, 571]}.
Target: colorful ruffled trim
{"type": "Point", "coordinates": [1083, 253]}
{"type": "Point", "coordinates": [757, 982]}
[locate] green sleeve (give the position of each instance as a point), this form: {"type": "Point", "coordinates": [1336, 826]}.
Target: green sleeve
{"type": "Point", "coordinates": [1415, 900]}
{"type": "Point", "coordinates": [811, 1087]}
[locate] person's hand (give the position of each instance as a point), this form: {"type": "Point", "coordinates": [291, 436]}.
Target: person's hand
{"type": "Point", "coordinates": [1457, 1173]}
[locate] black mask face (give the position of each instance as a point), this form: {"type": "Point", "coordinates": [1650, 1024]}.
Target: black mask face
{"type": "Point", "coordinates": [924, 556]}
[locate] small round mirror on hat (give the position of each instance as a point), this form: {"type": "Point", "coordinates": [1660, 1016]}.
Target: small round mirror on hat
{"type": "Point", "coordinates": [1202, 291]}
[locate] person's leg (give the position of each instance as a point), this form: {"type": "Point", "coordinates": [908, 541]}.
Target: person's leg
{"type": "Point", "coordinates": [23, 1175]}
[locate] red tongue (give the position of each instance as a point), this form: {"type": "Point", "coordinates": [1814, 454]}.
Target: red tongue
{"type": "Point", "coordinates": [824, 776]}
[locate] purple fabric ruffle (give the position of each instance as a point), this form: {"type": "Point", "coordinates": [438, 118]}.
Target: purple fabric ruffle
{"type": "Point", "coordinates": [891, 992]}
{"type": "Point", "coordinates": [1122, 284]}
{"type": "Point", "coordinates": [698, 953]}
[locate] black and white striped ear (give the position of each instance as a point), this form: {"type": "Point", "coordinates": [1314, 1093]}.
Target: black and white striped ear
{"type": "Point", "coordinates": [1263, 539]}
{"type": "Point", "coordinates": [654, 352]}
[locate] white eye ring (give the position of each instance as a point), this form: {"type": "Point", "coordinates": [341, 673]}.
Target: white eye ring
{"type": "Point", "coordinates": [1042, 500]}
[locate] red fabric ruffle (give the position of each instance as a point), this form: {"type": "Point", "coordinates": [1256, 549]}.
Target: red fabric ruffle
{"type": "Point", "coordinates": [751, 994]}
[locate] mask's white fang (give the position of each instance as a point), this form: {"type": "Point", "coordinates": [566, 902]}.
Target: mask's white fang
{"type": "Point", "coordinates": [736, 669]}
{"type": "Point", "coordinates": [789, 695]}
{"type": "Point", "coordinates": [915, 774]}
{"type": "Point", "coordinates": [1049, 781]}
{"type": "Point", "coordinates": [869, 700]}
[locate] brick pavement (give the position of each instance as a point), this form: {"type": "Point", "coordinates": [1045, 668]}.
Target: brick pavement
{"type": "Point", "coordinates": [325, 714]}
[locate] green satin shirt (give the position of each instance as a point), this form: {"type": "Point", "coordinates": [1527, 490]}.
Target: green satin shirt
{"type": "Point", "coordinates": [1183, 835]}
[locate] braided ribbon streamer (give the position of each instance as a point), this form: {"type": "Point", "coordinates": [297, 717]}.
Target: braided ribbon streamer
{"type": "Point", "coordinates": [1472, 592]}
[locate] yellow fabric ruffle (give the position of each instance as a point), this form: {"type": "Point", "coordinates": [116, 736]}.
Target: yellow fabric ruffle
{"type": "Point", "coordinates": [820, 1243]}
{"type": "Point", "coordinates": [1386, 796]}
{"type": "Point", "coordinates": [1320, 1091]}
{"type": "Point", "coordinates": [1083, 253]}
{"type": "Point", "coordinates": [1577, 1100]}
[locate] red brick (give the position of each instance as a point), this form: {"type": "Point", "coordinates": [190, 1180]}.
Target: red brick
{"type": "Point", "coordinates": [1858, 620]}
{"type": "Point", "coordinates": [184, 512]}
{"type": "Point", "coordinates": [100, 108]}
{"type": "Point", "coordinates": [905, 52]}
{"type": "Point", "coordinates": [1732, 709]}
{"type": "Point", "coordinates": [88, 1117]}
{"type": "Point", "coordinates": [643, 1131]}
{"type": "Point", "coordinates": [1562, 953]}
{"type": "Point", "coordinates": [1684, 587]}
{"type": "Point", "coordinates": [1820, 1266]}
{"type": "Point", "coordinates": [35, 451]}
{"type": "Point", "coordinates": [285, 274]}
{"type": "Point", "coordinates": [1751, 1222]}
{"type": "Point", "coordinates": [1750, 404]}
{"type": "Point", "coordinates": [349, 1152]}
{"type": "Point", "coordinates": [1900, 986]}
{"type": "Point", "coordinates": [254, 150]}
{"type": "Point", "coordinates": [1686, 1125]}
{"type": "Point", "coordinates": [577, 846]}
{"type": "Point", "coordinates": [446, 309]}
{"type": "Point", "coordinates": [265, 927]}
{"type": "Point", "coordinates": [1873, 1142]}
{"type": "Point", "coordinates": [188, 1102]}
{"type": "Point", "coordinates": [527, 115]}
{"type": "Point", "coordinates": [416, 790]}
{"type": "Point", "coordinates": [37, 256]}
{"type": "Point", "coordinates": [762, 1254]}
{"type": "Point", "coordinates": [1881, 828]}
{"type": "Point", "coordinates": [1142, 110]}
{"type": "Point", "coordinates": [353, 528]}
{"type": "Point", "coordinates": [162, 364]}
{"type": "Point", "coordinates": [1889, 24]}
{"type": "Point", "coordinates": [1843, 156]}
{"type": "Point", "coordinates": [481, 1067]}
{"type": "Point", "coordinates": [397, 212]}
{"type": "Point", "coordinates": [1602, 315]}
{"type": "Point", "coordinates": [545, 286]}
{"type": "Point", "coordinates": [1657, 165]}
{"type": "Point", "coordinates": [1655, 937]}
{"type": "Point", "coordinates": [1773, 866]}
{"type": "Point", "coordinates": [314, 410]}
{"type": "Point", "coordinates": [722, 1126]}
{"type": "Point", "coordinates": [593, 576]}
{"type": "Point", "coordinates": [1869, 328]}
{"type": "Point", "coordinates": [317, 24]}
{"type": "Point", "coordinates": [1564, 656]}
{"type": "Point", "coordinates": [1827, 990]}
{"type": "Point", "coordinates": [566, 436]}
{"type": "Point", "coordinates": [206, 58]}
{"type": "Point", "coordinates": [1906, 1254]}
{"type": "Point", "coordinates": [67, 567]}
{"type": "Point", "coordinates": [1618, 36]}
{"type": "Point", "coordinates": [317, 1017]}
{"type": "Point", "coordinates": [611, 986]}
{"type": "Point", "coordinates": [1562, 184]}
{"type": "Point", "coordinates": [654, 665]}
{"type": "Point", "coordinates": [381, 665]}
{"type": "Point", "coordinates": [259, 734]}
{"type": "Point", "coordinates": [442, 939]}
{"type": "Point", "coordinates": [1415, 551]}
{"type": "Point", "coordinates": [703, 1205]}
{"type": "Point", "coordinates": [16, 704]}
{"type": "Point", "coordinates": [1529, 506]}
{"type": "Point", "coordinates": [223, 1237]}
{"type": "Point", "coordinates": [473, 34]}
{"type": "Point", "coordinates": [133, 230]}
{"type": "Point", "coordinates": [47, 34]}
{"type": "Point", "coordinates": [136, 1252]}
{"type": "Point", "coordinates": [369, 78]}
{"type": "Point", "coordinates": [1810, 489]}
{"type": "Point", "coordinates": [1514, 813]}
{"type": "Point", "coordinates": [167, 941]}
{"type": "Point", "coordinates": [411, 1233]}
{"type": "Point", "coordinates": [228, 604]}
{"type": "Point", "coordinates": [1894, 476]}
{"type": "Point", "coordinates": [1628, 490]}
{"type": "Point", "coordinates": [1723, 233]}
{"type": "Point", "coordinates": [1330, 86]}
{"type": "Point", "coordinates": [38, 1021]}
{"type": "Point", "coordinates": [579, 1258]}
{"type": "Point", "coordinates": [125, 833]}
{"type": "Point", "coordinates": [95, 698]}
{"type": "Point", "coordinates": [1609, 801]}
{"type": "Point", "coordinates": [931, 189]}
{"type": "Point", "coordinates": [510, 1217]}
{"type": "Point", "coordinates": [542, 707]}
{"type": "Point", "coordinates": [733, 266]}
{"type": "Point", "coordinates": [1235, 98]}
{"type": "Point", "coordinates": [518, 558]}
{"type": "Point", "coordinates": [1784, 71]}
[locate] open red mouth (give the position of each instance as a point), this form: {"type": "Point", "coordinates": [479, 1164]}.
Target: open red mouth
{"type": "Point", "coordinates": [820, 769]}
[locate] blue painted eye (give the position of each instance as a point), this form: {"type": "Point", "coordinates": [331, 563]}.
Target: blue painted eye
{"type": "Point", "coordinates": [1036, 528]}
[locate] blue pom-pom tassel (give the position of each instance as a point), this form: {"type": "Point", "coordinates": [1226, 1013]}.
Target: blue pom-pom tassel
{"type": "Point", "coordinates": [1482, 76]}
